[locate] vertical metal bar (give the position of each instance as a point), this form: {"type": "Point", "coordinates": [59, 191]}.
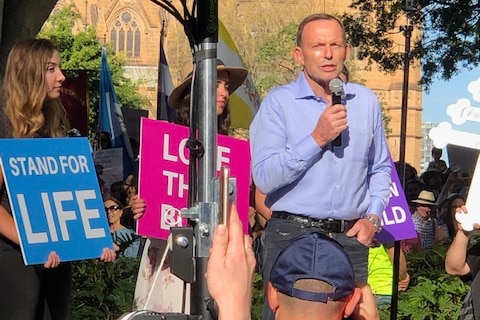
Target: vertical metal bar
{"type": "Point", "coordinates": [205, 89]}
{"type": "Point", "coordinates": [207, 123]}
{"type": "Point", "coordinates": [407, 32]}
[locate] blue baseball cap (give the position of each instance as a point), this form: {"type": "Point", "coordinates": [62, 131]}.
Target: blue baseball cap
{"type": "Point", "coordinates": [313, 257]}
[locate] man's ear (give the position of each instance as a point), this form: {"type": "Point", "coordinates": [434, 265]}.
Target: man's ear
{"type": "Point", "coordinates": [352, 302]}
{"type": "Point", "coordinates": [298, 55]}
{"type": "Point", "coordinates": [347, 51]}
{"type": "Point", "coordinates": [272, 297]}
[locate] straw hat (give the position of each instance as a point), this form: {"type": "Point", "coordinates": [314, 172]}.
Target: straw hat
{"type": "Point", "coordinates": [236, 78]}
{"type": "Point", "coordinates": [425, 197]}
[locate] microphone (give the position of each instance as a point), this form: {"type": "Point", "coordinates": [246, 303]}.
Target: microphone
{"type": "Point", "coordinates": [336, 87]}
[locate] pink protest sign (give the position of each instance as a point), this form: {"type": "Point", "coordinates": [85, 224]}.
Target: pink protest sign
{"type": "Point", "coordinates": [163, 175]}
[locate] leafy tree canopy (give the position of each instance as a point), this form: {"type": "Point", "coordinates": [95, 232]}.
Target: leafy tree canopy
{"type": "Point", "coordinates": [450, 31]}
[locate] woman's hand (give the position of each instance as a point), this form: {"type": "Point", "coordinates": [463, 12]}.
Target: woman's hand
{"type": "Point", "coordinates": [53, 260]}
{"type": "Point", "coordinates": [108, 255]}
{"type": "Point", "coordinates": [138, 207]}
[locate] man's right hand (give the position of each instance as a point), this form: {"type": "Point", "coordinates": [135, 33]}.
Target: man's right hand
{"type": "Point", "coordinates": [331, 123]}
{"type": "Point", "coordinates": [364, 230]}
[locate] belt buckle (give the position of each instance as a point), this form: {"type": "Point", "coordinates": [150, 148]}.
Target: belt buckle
{"type": "Point", "coordinates": [317, 224]}
{"type": "Point", "coordinates": [336, 226]}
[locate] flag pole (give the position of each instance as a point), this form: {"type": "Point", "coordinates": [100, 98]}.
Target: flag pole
{"type": "Point", "coordinates": [112, 119]}
{"type": "Point", "coordinates": [161, 105]}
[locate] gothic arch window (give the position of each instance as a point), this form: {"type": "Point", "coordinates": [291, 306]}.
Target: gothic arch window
{"type": "Point", "coordinates": [125, 35]}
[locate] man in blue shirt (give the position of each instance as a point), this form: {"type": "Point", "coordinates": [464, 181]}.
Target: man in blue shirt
{"type": "Point", "coordinates": [310, 185]}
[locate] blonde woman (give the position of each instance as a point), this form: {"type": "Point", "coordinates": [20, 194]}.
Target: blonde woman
{"type": "Point", "coordinates": [31, 109]}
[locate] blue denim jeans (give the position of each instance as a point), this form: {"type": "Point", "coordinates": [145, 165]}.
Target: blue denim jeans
{"type": "Point", "coordinates": [279, 233]}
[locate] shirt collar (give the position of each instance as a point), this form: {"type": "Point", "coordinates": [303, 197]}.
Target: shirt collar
{"type": "Point", "coordinates": [304, 91]}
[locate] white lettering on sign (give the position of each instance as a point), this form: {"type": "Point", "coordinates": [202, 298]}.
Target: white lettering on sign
{"type": "Point", "coordinates": [74, 164]}
{"type": "Point", "coordinates": [173, 177]}
{"type": "Point", "coordinates": [394, 190]}
{"type": "Point", "coordinates": [32, 237]}
{"type": "Point", "coordinates": [49, 215]}
{"type": "Point", "coordinates": [171, 217]}
{"type": "Point", "coordinates": [28, 166]}
{"type": "Point", "coordinates": [396, 215]}
{"type": "Point", "coordinates": [221, 159]}
{"type": "Point", "coordinates": [223, 153]}
{"type": "Point", "coordinates": [181, 150]}
{"type": "Point", "coordinates": [88, 214]}
{"type": "Point", "coordinates": [62, 215]}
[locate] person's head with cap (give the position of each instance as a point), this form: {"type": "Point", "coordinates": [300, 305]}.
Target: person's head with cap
{"type": "Point", "coordinates": [228, 80]}
{"type": "Point", "coordinates": [312, 278]}
{"type": "Point", "coordinates": [424, 204]}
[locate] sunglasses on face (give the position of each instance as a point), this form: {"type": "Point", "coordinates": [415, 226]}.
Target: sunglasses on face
{"type": "Point", "coordinates": [112, 208]}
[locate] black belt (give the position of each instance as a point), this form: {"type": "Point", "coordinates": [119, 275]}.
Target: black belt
{"type": "Point", "coordinates": [325, 225]}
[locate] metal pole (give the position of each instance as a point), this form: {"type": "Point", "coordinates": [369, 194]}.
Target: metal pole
{"type": "Point", "coordinates": [205, 90]}
{"type": "Point", "coordinates": [407, 32]}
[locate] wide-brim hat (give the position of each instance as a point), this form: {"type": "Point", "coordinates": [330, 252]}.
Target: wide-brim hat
{"type": "Point", "coordinates": [425, 197]}
{"type": "Point", "coordinates": [236, 76]}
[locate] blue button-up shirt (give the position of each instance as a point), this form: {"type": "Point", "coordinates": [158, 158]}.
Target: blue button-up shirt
{"type": "Point", "coordinates": [300, 177]}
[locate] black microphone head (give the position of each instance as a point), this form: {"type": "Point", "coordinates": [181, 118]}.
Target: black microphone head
{"type": "Point", "coordinates": [336, 86]}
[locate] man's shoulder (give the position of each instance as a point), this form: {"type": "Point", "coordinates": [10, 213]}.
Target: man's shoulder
{"type": "Point", "coordinates": [356, 88]}
{"type": "Point", "coordinates": [283, 89]}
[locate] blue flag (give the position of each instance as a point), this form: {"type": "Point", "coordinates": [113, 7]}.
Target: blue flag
{"type": "Point", "coordinates": [165, 87]}
{"type": "Point", "coordinates": [111, 117]}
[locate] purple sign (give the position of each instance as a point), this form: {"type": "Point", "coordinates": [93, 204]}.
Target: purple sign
{"type": "Point", "coordinates": [397, 221]}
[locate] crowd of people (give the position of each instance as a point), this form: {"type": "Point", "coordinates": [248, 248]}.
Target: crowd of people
{"type": "Point", "coordinates": [319, 204]}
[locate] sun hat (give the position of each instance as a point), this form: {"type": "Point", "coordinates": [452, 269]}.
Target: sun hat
{"type": "Point", "coordinates": [313, 257]}
{"type": "Point", "coordinates": [236, 77]}
{"type": "Point", "coordinates": [425, 197]}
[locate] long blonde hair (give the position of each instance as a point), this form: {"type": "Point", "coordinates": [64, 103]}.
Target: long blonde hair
{"type": "Point", "coordinates": [26, 102]}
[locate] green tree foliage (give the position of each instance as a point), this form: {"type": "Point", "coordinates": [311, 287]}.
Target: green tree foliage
{"type": "Point", "coordinates": [82, 51]}
{"type": "Point", "coordinates": [103, 290]}
{"type": "Point", "coordinates": [432, 293]}
{"type": "Point", "coordinates": [450, 32]}
{"type": "Point", "coordinates": [275, 56]}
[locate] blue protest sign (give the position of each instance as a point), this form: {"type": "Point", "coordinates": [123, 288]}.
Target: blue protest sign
{"type": "Point", "coordinates": [55, 198]}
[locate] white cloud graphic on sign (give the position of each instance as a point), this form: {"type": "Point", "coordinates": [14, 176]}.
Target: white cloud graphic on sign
{"type": "Point", "coordinates": [443, 134]}
{"type": "Point", "coordinates": [474, 89]}
{"type": "Point", "coordinates": [463, 111]}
